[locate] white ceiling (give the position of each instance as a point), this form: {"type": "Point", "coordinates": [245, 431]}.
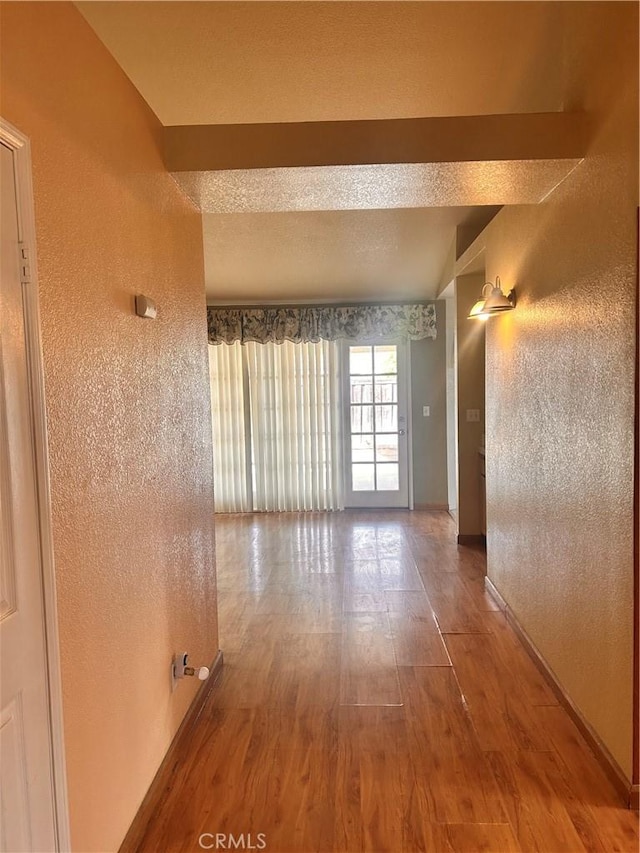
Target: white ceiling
{"type": "Point", "coordinates": [242, 62]}
{"type": "Point", "coordinates": [330, 255]}
{"type": "Point", "coordinates": [255, 62]}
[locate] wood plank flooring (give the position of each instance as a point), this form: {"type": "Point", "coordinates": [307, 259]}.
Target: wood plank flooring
{"type": "Point", "coordinates": [373, 699]}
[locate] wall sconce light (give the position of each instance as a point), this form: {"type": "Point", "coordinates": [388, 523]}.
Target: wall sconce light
{"type": "Point", "coordinates": [492, 301]}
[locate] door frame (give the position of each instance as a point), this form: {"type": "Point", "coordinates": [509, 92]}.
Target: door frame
{"type": "Point", "coordinates": [634, 796]}
{"type": "Point", "coordinates": [20, 146]}
{"type": "Point", "coordinates": [343, 366]}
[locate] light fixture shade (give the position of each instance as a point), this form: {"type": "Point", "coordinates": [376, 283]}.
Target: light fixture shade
{"type": "Point", "coordinates": [492, 301]}
{"type": "Point", "coordinates": [497, 302]}
{"type": "Point", "coordinates": [476, 311]}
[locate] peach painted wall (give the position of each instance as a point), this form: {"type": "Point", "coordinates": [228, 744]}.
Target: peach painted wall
{"type": "Point", "coordinates": [470, 350]}
{"type": "Point", "coordinates": [560, 391]}
{"type": "Point", "coordinates": [128, 408]}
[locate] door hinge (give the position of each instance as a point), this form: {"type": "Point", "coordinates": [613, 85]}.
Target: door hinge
{"type": "Point", "coordinates": [25, 265]}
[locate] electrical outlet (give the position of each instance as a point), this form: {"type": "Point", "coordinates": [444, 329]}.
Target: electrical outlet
{"type": "Point", "coordinates": [426, 411]}
{"type": "Point", "coordinates": [473, 415]}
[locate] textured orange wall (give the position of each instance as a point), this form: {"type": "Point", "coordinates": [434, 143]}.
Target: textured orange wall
{"type": "Point", "coordinates": [560, 391]}
{"type": "Point", "coordinates": [470, 350]}
{"type": "Point", "coordinates": [128, 407]}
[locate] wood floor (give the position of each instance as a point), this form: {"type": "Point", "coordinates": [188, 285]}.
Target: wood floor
{"type": "Point", "coordinates": [374, 699]}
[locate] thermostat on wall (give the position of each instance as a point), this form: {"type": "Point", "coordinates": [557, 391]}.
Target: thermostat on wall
{"type": "Point", "coordinates": [145, 307]}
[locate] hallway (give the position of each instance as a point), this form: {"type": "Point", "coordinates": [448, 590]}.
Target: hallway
{"type": "Point", "coordinates": [373, 698]}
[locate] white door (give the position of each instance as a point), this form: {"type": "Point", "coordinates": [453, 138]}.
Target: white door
{"type": "Point", "coordinates": [26, 777]}
{"type": "Point", "coordinates": [375, 430]}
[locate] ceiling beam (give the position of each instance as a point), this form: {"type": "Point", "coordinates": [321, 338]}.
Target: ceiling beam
{"type": "Point", "coordinates": [379, 187]}
{"type": "Point", "coordinates": [523, 136]}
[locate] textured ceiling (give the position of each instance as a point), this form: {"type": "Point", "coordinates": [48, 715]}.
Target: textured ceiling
{"type": "Point", "coordinates": [333, 256]}
{"type": "Point", "coordinates": [397, 185]}
{"type": "Point", "coordinates": [271, 235]}
{"type": "Point", "coordinates": [228, 62]}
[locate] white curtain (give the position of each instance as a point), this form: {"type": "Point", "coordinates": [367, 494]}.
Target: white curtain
{"type": "Point", "coordinates": [295, 425]}
{"type": "Point", "coordinates": [287, 426]}
{"type": "Point", "coordinates": [231, 481]}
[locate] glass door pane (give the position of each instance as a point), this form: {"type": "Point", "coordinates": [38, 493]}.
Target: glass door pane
{"type": "Point", "coordinates": [376, 450]}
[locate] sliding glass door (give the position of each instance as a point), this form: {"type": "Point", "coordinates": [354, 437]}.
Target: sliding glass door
{"type": "Point", "coordinates": [276, 426]}
{"type": "Point", "coordinates": [309, 426]}
{"type": "Point", "coordinates": [374, 391]}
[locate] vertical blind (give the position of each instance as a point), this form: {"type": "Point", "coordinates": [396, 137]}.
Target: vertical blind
{"type": "Point", "coordinates": [276, 426]}
{"type": "Point", "coordinates": [231, 484]}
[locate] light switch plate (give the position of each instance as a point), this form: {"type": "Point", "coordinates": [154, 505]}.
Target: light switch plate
{"type": "Point", "coordinates": [473, 415]}
{"type": "Point", "coordinates": [426, 411]}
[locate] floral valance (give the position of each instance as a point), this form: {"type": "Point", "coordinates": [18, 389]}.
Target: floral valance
{"type": "Point", "coordinates": [309, 325]}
